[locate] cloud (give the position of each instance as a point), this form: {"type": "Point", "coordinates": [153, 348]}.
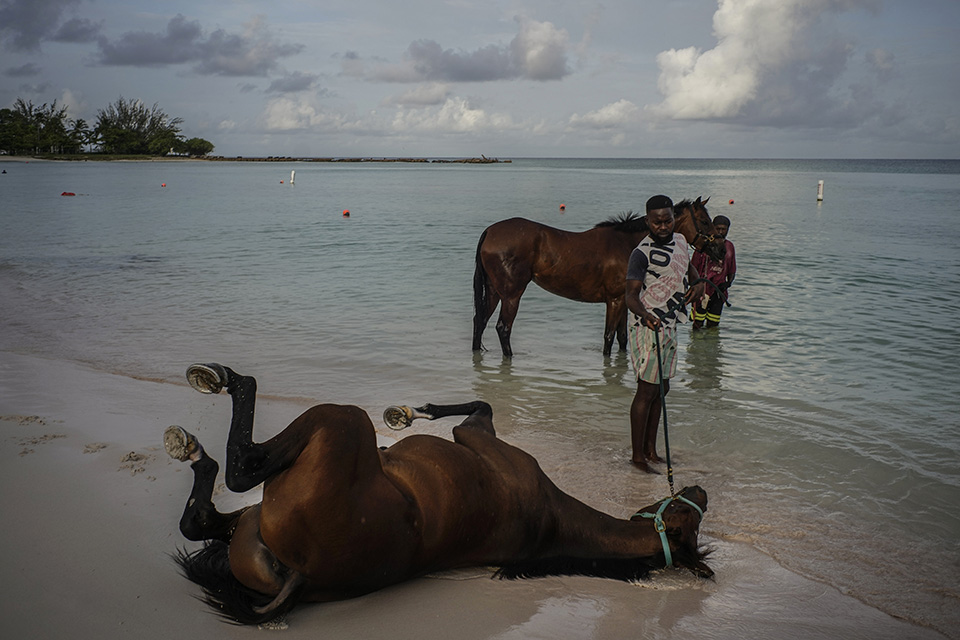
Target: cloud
{"type": "Point", "coordinates": [540, 50]}
{"type": "Point", "coordinates": [882, 63]}
{"type": "Point", "coordinates": [423, 95]}
{"type": "Point", "coordinates": [296, 114]}
{"type": "Point", "coordinates": [253, 53]}
{"type": "Point", "coordinates": [35, 89]}
{"type": "Point", "coordinates": [77, 30]}
{"type": "Point", "coordinates": [179, 44]}
{"type": "Point", "coordinates": [617, 114]}
{"type": "Point", "coordinates": [74, 103]}
{"type": "Point", "coordinates": [776, 62]}
{"type": "Point", "coordinates": [456, 115]}
{"type": "Point", "coordinates": [537, 52]}
{"type": "Point", "coordinates": [293, 82]}
{"type": "Point", "coordinates": [25, 23]}
{"type": "Point", "coordinates": [24, 71]}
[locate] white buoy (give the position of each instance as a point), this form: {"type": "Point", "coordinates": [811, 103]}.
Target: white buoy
{"type": "Point", "coordinates": [294, 173]}
{"type": "Point", "coordinates": [819, 191]}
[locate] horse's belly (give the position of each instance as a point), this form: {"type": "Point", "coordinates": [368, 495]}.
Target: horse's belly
{"type": "Point", "coordinates": [584, 290]}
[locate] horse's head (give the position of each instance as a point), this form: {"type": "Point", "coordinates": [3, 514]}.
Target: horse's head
{"type": "Point", "coordinates": [694, 222]}
{"type": "Point", "coordinates": [681, 516]}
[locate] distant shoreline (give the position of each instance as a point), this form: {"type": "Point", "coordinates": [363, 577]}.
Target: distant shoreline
{"type": "Point", "coordinates": [107, 158]}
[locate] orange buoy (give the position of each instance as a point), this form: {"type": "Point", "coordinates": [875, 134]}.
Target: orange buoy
{"type": "Point", "coordinates": [731, 202]}
{"type": "Point", "coordinates": [164, 184]}
{"type": "Point", "coordinates": [563, 207]}
{"type": "Point", "coordinates": [281, 182]}
{"type": "Point", "coordinates": [68, 193]}
{"type": "Point", "coordinates": [346, 213]}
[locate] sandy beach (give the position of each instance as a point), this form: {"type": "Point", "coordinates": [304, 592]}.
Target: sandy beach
{"type": "Point", "coordinates": [91, 503]}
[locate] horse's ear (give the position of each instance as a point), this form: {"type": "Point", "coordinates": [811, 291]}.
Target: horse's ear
{"type": "Point", "coordinates": [704, 203]}
{"type": "Point", "coordinates": [697, 201]}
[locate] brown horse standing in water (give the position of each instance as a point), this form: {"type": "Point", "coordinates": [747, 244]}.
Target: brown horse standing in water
{"type": "Point", "coordinates": [589, 266]}
{"type": "Point", "coordinates": [341, 518]}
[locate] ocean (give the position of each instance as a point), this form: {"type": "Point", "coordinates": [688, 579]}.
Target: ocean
{"type": "Point", "coordinates": [821, 417]}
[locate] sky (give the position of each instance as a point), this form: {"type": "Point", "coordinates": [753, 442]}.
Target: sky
{"type": "Point", "coordinates": [514, 78]}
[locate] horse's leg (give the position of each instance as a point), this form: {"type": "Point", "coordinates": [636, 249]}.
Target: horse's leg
{"type": "Point", "coordinates": [250, 463]}
{"type": "Point", "coordinates": [508, 277]}
{"type": "Point", "coordinates": [615, 322]}
{"type": "Point", "coordinates": [622, 329]}
{"type": "Point", "coordinates": [200, 520]}
{"type": "Point", "coordinates": [479, 415]}
{"type": "Point", "coordinates": [482, 316]}
{"type": "Point", "coordinates": [508, 313]}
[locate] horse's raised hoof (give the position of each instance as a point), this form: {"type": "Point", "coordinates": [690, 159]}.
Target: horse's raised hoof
{"type": "Point", "coordinates": [398, 418]}
{"type": "Point", "coordinates": [207, 378]}
{"type": "Point", "coordinates": [179, 444]}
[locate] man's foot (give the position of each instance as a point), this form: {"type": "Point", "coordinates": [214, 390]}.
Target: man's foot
{"type": "Point", "coordinates": [207, 378]}
{"type": "Point", "coordinates": [653, 457]}
{"type": "Point", "coordinates": [645, 467]}
{"type": "Point", "coordinates": [181, 445]}
{"type": "Point", "coordinates": [696, 325]}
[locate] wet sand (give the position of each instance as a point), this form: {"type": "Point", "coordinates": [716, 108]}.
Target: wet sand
{"type": "Point", "coordinates": [90, 505]}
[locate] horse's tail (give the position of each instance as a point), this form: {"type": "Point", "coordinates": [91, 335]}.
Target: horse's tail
{"type": "Point", "coordinates": [481, 283]}
{"type": "Point", "coordinates": [209, 567]}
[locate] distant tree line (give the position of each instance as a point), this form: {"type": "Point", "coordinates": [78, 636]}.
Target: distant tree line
{"type": "Point", "coordinates": [125, 127]}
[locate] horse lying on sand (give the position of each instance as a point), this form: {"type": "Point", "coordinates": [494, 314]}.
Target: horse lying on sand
{"type": "Point", "coordinates": [341, 517]}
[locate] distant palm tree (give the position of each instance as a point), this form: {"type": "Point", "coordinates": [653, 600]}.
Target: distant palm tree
{"type": "Point", "coordinates": [80, 134]}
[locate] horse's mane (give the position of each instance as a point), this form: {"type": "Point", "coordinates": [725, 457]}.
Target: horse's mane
{"type": "Point", "coordinates": [209, 567]}
{"type": "Point", "coordinates": [628, 222]}
{"type": "Point", "coordinates": [631, 222]}
{"type": "Point", "coordinates": [626, 569]}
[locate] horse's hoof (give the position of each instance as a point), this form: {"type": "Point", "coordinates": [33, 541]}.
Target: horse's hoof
{"type": "Point", "coordinates": [398, 418]}
{"type": "Point", "coordinates": [207, 378]}
{"type": "Point", "coordinates": [179, 444]}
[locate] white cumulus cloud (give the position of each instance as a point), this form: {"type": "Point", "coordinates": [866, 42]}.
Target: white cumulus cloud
{"type": "Point", "coordinates": [616, 114]}
{"type": "Point", "coordinates": [299, 114]}
{"type": "Point", "coordinates": [454, 116]}
{"type": "Point", "coordinates": [773, 59]}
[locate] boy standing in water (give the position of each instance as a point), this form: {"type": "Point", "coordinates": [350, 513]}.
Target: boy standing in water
{"type": "Point", "coordinates": [656, 294]}
{"type": "Point", "coordinates": [719, 273]}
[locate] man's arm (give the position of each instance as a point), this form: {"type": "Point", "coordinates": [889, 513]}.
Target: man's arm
{"type": "Point", "coordinates": [731, 258]}
{"type": "Point", "coordinates": [634, 288]}
{"type": "Point", "coordinates": [636, 271]}
{"type": "Point", "coordinates": [696, 291]}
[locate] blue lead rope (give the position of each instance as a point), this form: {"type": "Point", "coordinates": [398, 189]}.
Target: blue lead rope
{"type": "Point", "coordinates": [658, 516]}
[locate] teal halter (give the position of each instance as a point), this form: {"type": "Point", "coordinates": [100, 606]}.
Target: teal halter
{"type": "Point", "coordinates": [661, 527]}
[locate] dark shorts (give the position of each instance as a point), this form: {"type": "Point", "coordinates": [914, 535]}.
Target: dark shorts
{"type": "Point", "coordinates": [712, 312]}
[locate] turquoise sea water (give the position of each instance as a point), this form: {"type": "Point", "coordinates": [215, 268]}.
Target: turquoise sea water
{"type": "Point", "coordinates": [822, 417]}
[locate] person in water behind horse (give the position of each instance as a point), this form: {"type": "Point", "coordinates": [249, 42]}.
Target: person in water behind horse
{"type": "Point", "coordinates": [721, 273]}
{"type": "Point", "coordinates": [656, 294]}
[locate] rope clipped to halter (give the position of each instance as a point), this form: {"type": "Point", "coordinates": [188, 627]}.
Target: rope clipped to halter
{"type": "Point", "coordinates": [658, 515]}
{"type": "Point", "coordinates": [663, 405]}
{"type": "Point", "coordinates": [661, 528]}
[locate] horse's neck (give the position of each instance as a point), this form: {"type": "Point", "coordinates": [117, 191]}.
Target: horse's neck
{"type": "Point", "coordinates": [685, 226]}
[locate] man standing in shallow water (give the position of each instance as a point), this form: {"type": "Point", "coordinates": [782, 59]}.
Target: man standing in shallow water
{"type": "Point", "coordinates": [656, 294]}
{"type": "Point", "coordinates": [719, 273]}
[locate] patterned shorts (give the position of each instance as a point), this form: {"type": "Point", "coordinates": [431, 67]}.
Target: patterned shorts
{"type": "Point", "coordinates": [643, 352]}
